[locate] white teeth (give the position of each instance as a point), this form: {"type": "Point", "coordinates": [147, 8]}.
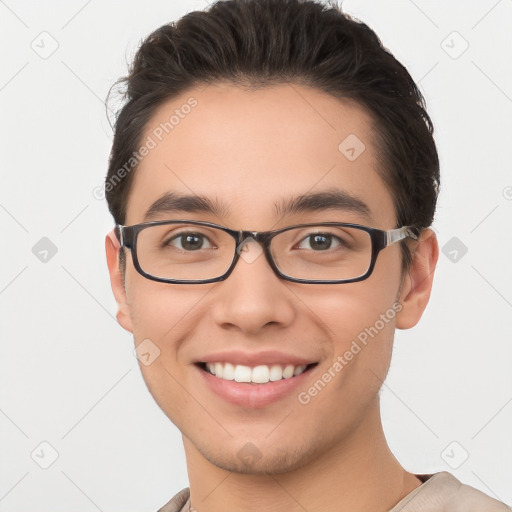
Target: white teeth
{"type": "Point", "coordinates": [228, 371]}
{"type": "Point", "coordinates": [242, 373]}
{"type": "Point", "coordinates": [299, 369]}
{"type": "Point", "coordinates": [258, 375]}
{"type": "Point", "coordinates": [288, 371]}
{"type": "Point", "coordinates": [276, 372]}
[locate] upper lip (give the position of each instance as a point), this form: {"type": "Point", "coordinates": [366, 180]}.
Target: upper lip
{"type": "Point", "coordinates": [255, 358]}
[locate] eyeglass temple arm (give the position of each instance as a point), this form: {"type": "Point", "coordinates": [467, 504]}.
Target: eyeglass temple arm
{"type": "Point", "coordinates": [395, 235]}
{"type": "Point", "coordinates": [118, 230]}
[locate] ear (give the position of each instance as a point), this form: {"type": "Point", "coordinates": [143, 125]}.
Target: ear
{"type": "Point", "coordinates": [417, 283]}
{"type": "Point", "coordinates": [112, 248]}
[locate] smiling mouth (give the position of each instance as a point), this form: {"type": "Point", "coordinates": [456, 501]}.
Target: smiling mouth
{"type": "Point", "coordinates": [261, 374]}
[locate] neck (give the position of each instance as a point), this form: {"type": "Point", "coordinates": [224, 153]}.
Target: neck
{"type": "Point", "coordinates": [358, 474]}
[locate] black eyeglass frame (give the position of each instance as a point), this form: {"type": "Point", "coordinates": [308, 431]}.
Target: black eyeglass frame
{"type": "Point", "coordinates": [380, 239]}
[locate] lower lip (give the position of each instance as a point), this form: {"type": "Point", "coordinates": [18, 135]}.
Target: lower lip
{"type": "Point", "coordinates": [253, 396]}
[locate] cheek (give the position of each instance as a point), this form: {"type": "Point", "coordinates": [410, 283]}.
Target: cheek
{"type": "Point", "coordinates": [360, 322]}
{"type": "Point", "coordinates": [160, 311]}
{"type": "Point", "coordinates": [161, 317]}
{"type": "Point", "coordinates": [349, 309]}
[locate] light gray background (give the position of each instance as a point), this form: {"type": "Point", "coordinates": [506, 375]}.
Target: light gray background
{"type": "Point", "coordinates": [68, 376]}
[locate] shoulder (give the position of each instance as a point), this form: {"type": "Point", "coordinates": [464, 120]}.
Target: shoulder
{"type": "Point", "coordinates": [178, 503]}
{"type": "Point", "coordinates": [447, 494]}
{"type": "Point", "coordinates": [440, 490]}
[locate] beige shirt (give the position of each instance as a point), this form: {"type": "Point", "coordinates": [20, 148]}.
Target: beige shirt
{"type": "Point", "coordinates": [440, 492]}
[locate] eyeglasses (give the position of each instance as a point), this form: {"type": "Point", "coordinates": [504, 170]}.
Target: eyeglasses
{"type": "Point", "coordinates": [193, 252]}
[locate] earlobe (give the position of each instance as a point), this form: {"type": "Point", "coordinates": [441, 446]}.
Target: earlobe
{"type": "Point", "coordinates": [112, 248]}
{"type": "Point", "coordinates": [417, 283]}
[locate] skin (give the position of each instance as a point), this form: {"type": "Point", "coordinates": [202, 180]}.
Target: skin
{"type": "Point", "coordinates": [250, 149]}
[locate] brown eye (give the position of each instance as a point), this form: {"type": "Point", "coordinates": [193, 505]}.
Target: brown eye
{"type": "Point", "coordinates": [321, 242]}
{"type": "Point", "coordinates": [189, 241]}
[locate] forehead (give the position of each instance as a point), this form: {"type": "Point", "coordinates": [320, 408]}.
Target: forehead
{"type": "Point", "coordinates": [252, 150]}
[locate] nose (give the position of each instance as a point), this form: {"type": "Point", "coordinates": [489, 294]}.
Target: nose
{"type": "Point", "coordinates": [253, 297]}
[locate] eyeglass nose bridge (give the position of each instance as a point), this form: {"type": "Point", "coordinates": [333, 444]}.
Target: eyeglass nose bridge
{"type": "Point", "coordinates": [262, 237]}
{"type": "Point", "coordinates": [262, 240]}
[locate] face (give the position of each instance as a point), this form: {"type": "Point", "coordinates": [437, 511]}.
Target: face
{"type": "Point", "coordinates": [249, 151]}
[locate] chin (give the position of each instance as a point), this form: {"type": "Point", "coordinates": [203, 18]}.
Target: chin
{"type": "Point", "coordinates": [250, 460]}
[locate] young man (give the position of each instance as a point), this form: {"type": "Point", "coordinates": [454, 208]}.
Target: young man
{"type": "Point", "coordinates": [273, 178]}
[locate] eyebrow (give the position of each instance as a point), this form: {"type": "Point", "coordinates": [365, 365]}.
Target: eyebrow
{"type": "Point", "coordinates": [173, 202]}
{"type": "Point", "coordinates": [333, 199]}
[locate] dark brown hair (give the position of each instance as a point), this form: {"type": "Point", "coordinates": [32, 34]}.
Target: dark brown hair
{"type": "Point", "coordinates": [255, 43]}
